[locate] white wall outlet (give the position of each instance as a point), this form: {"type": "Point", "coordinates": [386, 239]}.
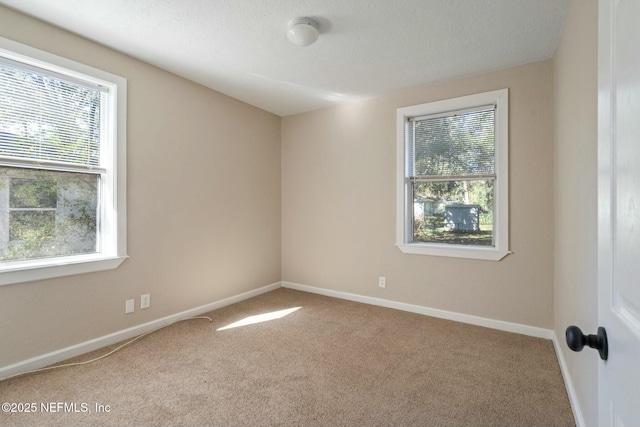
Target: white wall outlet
{"type": "Point", "coordinates": [382, 282]}
{"type": "Point", "coordinates": [129, 306]}
{"type": "Point", "coordinates": [145, 300]}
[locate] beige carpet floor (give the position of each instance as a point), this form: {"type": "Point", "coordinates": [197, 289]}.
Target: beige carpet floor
{"type": "Point", "coordinates": [329, 363]}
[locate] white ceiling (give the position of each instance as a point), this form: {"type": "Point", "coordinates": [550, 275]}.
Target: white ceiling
{"type": "Point", "coordinates": [366, 47]}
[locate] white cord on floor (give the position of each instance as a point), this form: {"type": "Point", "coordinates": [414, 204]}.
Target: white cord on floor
{"type": "Point", "coordinates": [107, 354]}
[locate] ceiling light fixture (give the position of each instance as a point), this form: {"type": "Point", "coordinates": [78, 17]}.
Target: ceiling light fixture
{"type": "Point", "coordinates": [303, 31]}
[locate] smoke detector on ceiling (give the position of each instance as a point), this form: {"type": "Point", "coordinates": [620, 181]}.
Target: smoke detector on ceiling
{"type": "Point", "coordinates": [303, 31]}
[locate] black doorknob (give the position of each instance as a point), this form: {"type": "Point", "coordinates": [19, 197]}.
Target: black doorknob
{"type": "Point", "coordinates": [576, 341]}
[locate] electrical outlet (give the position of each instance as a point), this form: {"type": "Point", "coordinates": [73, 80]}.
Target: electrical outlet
{"type": "Point", "coordinates": [382, 282]}
{"type": "Point", "coordinates": [129, 306]}
{"type": "Point", "coordinates": [145, 300]}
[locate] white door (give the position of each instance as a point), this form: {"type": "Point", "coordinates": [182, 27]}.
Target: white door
{"type": "Point", "coordinates": [619, 210]}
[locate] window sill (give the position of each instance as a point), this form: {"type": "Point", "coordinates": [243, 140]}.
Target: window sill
{"type": "Point", "coordinates": [454, 251]}
{"type": "Point", "coordinates": [28, 271]}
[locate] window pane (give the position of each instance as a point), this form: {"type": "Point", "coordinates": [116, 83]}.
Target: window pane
{"type": "Point", "coordinates": [32, 225]}
{"type": "Point", "coordinates": [33, 193]}
{"type": "Point", "coordinates": [47, 214]}
{"type": "Point", "coordinates": [453, 212]}
{"type": "Point", "coordinates": [43, 117]}
{"type": "Point", "coordinates": [462, 144]}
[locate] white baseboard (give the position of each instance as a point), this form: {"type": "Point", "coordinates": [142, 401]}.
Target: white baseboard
{"type": "Point", "coordinates": [433, 312]}
{"type": "Point", "coordinates": [571, 391]}
{"type": "Point", "coordinates": [464, 318]}
{"type": "Point", "coordinates": [97, 343]}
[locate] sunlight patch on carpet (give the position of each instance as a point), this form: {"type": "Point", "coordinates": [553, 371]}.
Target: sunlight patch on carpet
{"type": "Point", "coordinates": [259, 318]}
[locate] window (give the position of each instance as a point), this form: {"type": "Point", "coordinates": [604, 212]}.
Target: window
{"type": "Point", "coordinates": [452, 196]}
{"type": "Point", "coordinates": [62, 166]}
{"type": "Point", "coordinates": [32, 209]}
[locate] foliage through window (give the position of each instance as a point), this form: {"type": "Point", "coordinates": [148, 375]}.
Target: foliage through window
{"type": "Point", "coordinates": [61, 139]}
{"type": "Point", "coordinates": [32, 209]}
{"type": "Point", "coordinates": [450, 174]}
{"type": "Point", "coordinates": [50, 213]}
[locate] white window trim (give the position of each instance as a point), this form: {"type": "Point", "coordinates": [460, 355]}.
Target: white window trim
{"type": "Point", "coordinates": [501, 195]}
{"type": "Point", "coordinates": [114, 252]}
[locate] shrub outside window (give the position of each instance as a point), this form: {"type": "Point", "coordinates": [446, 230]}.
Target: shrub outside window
{"type": "Point", "coordinates": [453, 177]}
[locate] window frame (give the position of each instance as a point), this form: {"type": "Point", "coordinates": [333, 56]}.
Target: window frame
{"type": "Point", "coordinates": [404, 196]}
{"type": "Point", "coordinates": [112, 202]}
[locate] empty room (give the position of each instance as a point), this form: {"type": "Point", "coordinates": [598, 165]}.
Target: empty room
{"type": "Point", "coordinates": [319, 213]}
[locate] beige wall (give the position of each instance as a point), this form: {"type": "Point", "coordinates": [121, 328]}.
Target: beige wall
{"type": "Point", "coordinates": [203, 207]}
{"type": "Point", "coordinates": [338, 205]}
{"type": "Point", "coordinates": [194, 239]}
{"type": "Point", "coordinates": [575, 105]}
